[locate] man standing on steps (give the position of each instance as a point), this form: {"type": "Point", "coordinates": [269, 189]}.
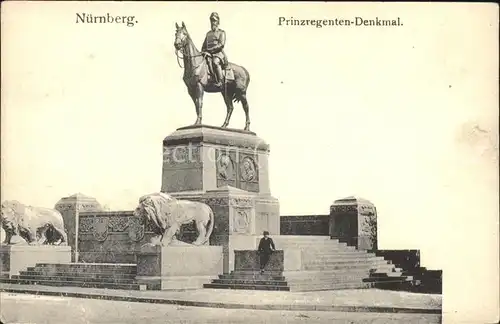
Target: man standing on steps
{"type": "Point", "coordinates": [266, 248]}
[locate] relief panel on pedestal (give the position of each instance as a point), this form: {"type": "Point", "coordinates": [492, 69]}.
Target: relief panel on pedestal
{"type": "Point", "coordinates": [242, 221]}
{"type": "Point", "coordinates": [225, 168]}
{"type": "Point", "coordinates": [239, 170]}
{"type": "Point", "coordinates": [249, 173]}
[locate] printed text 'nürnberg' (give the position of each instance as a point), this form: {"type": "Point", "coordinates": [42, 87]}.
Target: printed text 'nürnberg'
{"type": "Point", "coordinates": [88, 18]}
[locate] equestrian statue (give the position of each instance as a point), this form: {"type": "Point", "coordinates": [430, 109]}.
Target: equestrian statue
{"type": "Point", "coordinates": [210, 71]}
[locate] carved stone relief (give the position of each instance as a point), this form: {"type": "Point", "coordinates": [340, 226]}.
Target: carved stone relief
{"type": "Point", "coordinates": [118, 224]}
{"type": "Point", "coordinates": [248, 170]}
{"type": "Point", "coordinates": [101, 228]}
{"type": "Point", "coordinates": [135, 230]}
{"type": "Point", "coordinates": [344, 208]}
{"type": "Point", "coordinates": [86, 224]}
{"type": "Point", "coordinates": [216, 201]}
{"type": "Point", "coordinates": [241, 221]}
{"type": "Point", "coordinates": [225, 167]}
{"type": "Point", "coordinates": [241, 202]}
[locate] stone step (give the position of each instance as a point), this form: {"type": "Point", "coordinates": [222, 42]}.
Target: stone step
{"type": "Point", "coordinates": [252, 277]}
{"type": "Point", "coordinates": [313, 244]}
{"type": "Point", "coordinates": [388, 279]}
{"type": "Point", "coordinates": [309, 243]}
{"type": "Point", "coordinates": [79, 278]}
{"type": "Point", "coordinates": [238, 281]}
{"type": "Point", "coordinates": [367, 262]}
{"type": "Point", "coordinates": [301, 238]}
{"type": "Point", "coordinates": [88, 267]}
{"type": "Point", "coordinates": [425, 274]}
{"type": "Point", "coordinates": [342, 252]}
{"type": "Point", "coordinates": [71, 284]}
{"type": "Point", "coordinates": [300, 276]}
{"type": "Point", "coordinates": [353, 285]}
{"type": "Point", "coordinates": [339, 253]}
{"type": "Point", "coordinates": [91, 264]}
{"type": "Point", "coordinates": [80, 270]}
{"type": "Point", "coordinates": [281, 240]}
{"type": "Point", "coordinates": [310, 275]}
{"type": "Point", "coordinates": [96, 275]}
{"type": "Point", "coordinates": [343, 257]}
{"type": "Point", "coordinates": [257, 273]}
{"type": "Point", "coordinates": [329, 281]}
{"type": "Point", "coordinates": [348, 265]}
{"type": "Point", "coordinates": [246, 287]}
{"type": "Point", "coordinates": [289, 275]}
{"type": "Point", "coordinates": [387, 274]}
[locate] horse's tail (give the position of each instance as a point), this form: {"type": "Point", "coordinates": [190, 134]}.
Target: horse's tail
{"type": "Point", "coordinates": [236, 97]}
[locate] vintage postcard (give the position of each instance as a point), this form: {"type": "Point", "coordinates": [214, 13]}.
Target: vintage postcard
{"type": "Point", "coordinates": [249, 162]}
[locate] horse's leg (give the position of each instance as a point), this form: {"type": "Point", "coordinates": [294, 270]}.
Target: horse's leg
{"type": "Point", "coordinates": [244, 103]}
{"type": "Point", "coordinates": [197, 96]}
{"type": "Point", "coordinates": [228, 99]}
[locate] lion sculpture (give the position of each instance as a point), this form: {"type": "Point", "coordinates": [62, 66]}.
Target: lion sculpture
{"type": "Point", "coordinates": [167, 214]}
{"type": "Point", "coordinates": [36, 225]}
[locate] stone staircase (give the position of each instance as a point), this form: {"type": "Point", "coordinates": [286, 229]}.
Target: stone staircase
{"type": "Point", "coordinates": [85, 275]}
{"type": "Point", "coordinates": [310, 263]}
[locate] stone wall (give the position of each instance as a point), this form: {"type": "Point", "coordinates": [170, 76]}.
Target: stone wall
{"type": "Point", "coordinates": [304, 225]}
{"type": "Point", "coordinates": [116, 236]}
{"type": "Point", "coordinates": [113, 237]}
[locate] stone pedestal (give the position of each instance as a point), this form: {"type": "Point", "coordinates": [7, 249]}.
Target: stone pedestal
{"type": "Point", "coordinates": [354, 221]}
{"type": "Point", "coordinates": [16, 258]}
{"type": "Point", "coordinates": [178, 267]}
{"type": "Point", "coordinates": [203, 158]}
{"type": "Point", "coordinates": [70, 208]}
{"type": "Point", "coordinates": [228, 170]}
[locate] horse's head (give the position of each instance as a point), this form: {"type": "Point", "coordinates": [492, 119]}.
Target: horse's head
{"type": "Point", "coordinates": [181, 35]}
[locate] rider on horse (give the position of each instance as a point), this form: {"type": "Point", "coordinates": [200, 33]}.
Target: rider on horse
{"type": "Point", "coordinates": [213, 49]}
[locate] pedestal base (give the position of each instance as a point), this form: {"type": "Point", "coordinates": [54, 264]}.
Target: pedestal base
{"type": "Point", "coordinates": [228, 170]}
{"type": "Point", "coordinates": [178, 267]}
{"type": "Point", "coordinates": [16, 258]}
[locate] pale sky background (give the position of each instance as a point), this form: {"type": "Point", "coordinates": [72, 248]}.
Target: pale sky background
{"type": "Point", "coordinates": [388, 114]}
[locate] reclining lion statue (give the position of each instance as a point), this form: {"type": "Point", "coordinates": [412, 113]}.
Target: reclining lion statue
{"type": "Point", "coordinates": [36, 225]}
{"type": "Point", "coordinates": [167, 214]}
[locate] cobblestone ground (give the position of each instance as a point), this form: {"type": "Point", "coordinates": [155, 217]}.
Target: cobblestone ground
{"type": "Point", "coordinates": [22, 308]}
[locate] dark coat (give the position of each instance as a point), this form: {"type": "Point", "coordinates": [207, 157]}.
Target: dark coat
{"type": "Point", "coordinates": [266, 246]}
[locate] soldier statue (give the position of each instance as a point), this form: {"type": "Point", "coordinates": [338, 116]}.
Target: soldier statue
{"type": "Point", "coordinates": [213, 49]}
{"type": "Point", "coordinates": [209, 71]}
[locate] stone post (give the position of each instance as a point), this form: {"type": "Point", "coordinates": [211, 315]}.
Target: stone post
{"type": "Point", "coordinates": [70, 208]}
{"type": "Point", "coordinates": [234, 211]}
{"type": "Point", "coordinates": [353, 221]}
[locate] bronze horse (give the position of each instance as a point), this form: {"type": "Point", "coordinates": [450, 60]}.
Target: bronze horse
{"type": "Point", "coordinates": [197, 78]}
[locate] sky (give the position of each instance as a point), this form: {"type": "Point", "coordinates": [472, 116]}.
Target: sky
{"type": "Point", "coordinates": [406, 117]}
